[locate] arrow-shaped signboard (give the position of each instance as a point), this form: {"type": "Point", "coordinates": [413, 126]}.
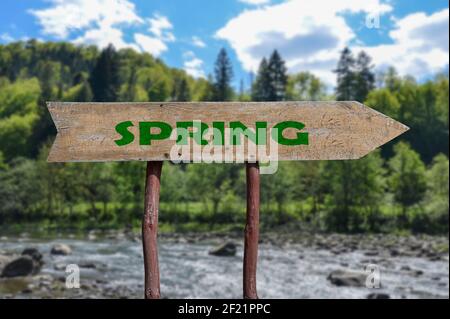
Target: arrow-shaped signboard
{"type": "Point", "coordinates": [215, 132]}
{"type": "Point", "coordinates": [224, 131]}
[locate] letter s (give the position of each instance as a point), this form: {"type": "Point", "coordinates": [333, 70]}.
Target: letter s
{"type": "Point", "coordinates": [127, 136]}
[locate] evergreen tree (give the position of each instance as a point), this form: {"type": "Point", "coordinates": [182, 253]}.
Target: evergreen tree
{"type": "Point", "coordinates": [104, 78]}
{"type": "Point", "coordinates": [261, 84]}
{"type": "Point", "coordinates": [181, 91]}
{"type": "Point", "coordinates": [278, 77]}
{"type": "Point", "coordinates": [345, 76]}
{"type": "Point", "coordinates": [223, 73]}
{"type": "Point", "coordinates": [365, 78]}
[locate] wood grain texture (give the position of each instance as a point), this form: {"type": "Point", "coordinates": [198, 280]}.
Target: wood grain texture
{"type": "Point", "coordinates": [251, 231]}
{"type": "Point", "coordinates": [337, 130]}
{"type": "Point", "coordinates": [150, 230]}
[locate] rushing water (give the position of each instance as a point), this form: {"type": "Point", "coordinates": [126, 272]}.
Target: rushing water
{"type": "Point", "coordinates": [188, 271]}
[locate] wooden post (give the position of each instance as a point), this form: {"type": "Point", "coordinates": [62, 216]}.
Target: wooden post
{"type": "Point", "coordinates": [251, 231]}
{"type": "Point", "coordinates": [150, 230]}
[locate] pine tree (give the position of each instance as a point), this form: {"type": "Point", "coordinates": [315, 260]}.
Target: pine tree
{"type": "Point", "coordinates": [223, 73]}
{"type": "Point", "coordinates": [271, 80]}
{"type": "Point", "coordinates": [104, 78]}
{"type": "Point", "coordinates": [278, 77]}
{"type": "Point", "coordinates": [261, 84]}
{"type": "Point", "coordinates": [345, 76]}
{"type": "Point", "coordinates": [365, 78]}
{"type": "Point", "coordinates": [181, 91]}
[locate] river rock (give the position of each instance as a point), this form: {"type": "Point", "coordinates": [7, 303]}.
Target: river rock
{"type": "Point", "coordinates": [59, 266]}
{"type": "Point", "coordinates": [347, 278]}
{"type": "Point", "coordinates": [34, 253]}
{"type": "Point", "coordinates": [61, 249]}
{"type": "Point", "coordinates": [371, 253]}
{"type": "Point", "coordinates": [227, 249]}
{"type": "Point", "coordinates": [21, 266]}
{"type": "Point", "coordinates": [92, 265]}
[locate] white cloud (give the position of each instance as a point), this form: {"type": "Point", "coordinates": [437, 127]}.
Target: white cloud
{"type": "Point", "coordinates": [6, 37]}
{"type": "Point", "coordinates": [255, 2]}
{"type": "Point", "coordinates": [103, 36]}
{"type": "Point", "coordinates": [160, 26]}
{"type": "Point", "coordinates": [66, 16]}
{"type": "Point", "coordinates": [101, 23]}
{"type": "Point", "coordinates": [151, 45]}
{"type": "Point", "coordinates": [156, 44]}
{"type": "Point", "coordinates": [307, 33]}
{"type": "Point", "coordinates": [193, 65]}
{"type": "Point", "coordinates": [420, 45]}
{"type": "Point", "coordinates": [196, 41]}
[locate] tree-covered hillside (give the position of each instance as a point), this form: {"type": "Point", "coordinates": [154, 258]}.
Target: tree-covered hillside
{"type": "Point", "coordinates": [402, 187]}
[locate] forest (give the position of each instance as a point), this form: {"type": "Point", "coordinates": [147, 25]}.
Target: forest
{"type": "Point", "coordinates": [402, 188]}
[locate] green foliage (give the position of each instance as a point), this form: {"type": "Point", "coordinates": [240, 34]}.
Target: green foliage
{"type": "Point", "coordinates": [18, 113]}
{"type": "Point", "coordinates": [407, 178]}
{"type": "Point", "coordinates": [3, 165]}
{"type": "Point", "coordinates": [356, 189]}
{"type": "Point", "coordinates": [435, 216]}
{"type": "Point", "coordinates": [19, 191]}
{"type": "Point", "coordinates": [155, 83]}
{"type": "Point", "coordinates": [352, 196]}
{"type": "Point", "coordinates": [384, 101]}
{"type": "Point", "coordinates": [79, 93]}
{"type": "Point", "coordinates": [19, 98]}
{"type": "Point", "coordinates": [305, 86]}
{"type": "Point", "coordinates": [273, 190]}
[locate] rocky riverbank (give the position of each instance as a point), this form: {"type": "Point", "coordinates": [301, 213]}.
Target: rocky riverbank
{"type": "Point", "coordinates": [330, 265]}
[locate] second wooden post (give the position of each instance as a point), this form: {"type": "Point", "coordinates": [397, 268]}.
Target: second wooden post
{"type": "Point", "coordinates": [251, 231]}
{"type": "Point", "coordinates": [150, 230]}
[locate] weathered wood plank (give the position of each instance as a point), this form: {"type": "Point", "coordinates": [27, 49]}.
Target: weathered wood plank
{"type": "Point", "coordinates": [336, 130]}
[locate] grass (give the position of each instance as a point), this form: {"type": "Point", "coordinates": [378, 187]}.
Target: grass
{"type": "Point", "coordinates": [191, 217]}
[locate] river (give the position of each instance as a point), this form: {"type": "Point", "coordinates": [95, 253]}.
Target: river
{"type": "Point", "coordinates": [188, 271]}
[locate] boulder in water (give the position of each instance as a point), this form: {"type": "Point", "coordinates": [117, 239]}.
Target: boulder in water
{"type": "Point", "coordinates": [34, 253]}
{"type": "Point", "coordinates": [21, 266]}
{"type": "Point", "coordinates": [347, 278]}
{"type": "Point", "coordinates": [61, 249]}
{"type": "Point", "coordinates": [227, 249]}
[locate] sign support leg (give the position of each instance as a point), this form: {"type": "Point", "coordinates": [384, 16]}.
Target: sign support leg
{"type": "Point", "coordinates": [251, 231]}
{"type": "Point", "coordinates": [150, 230]}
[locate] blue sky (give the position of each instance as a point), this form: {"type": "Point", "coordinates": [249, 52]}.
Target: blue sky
{"type": "Point", "coordinates": [412, 35]}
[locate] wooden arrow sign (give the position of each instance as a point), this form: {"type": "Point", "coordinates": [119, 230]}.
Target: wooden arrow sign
{"type": "Point", "coordinates": [162, 131]}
